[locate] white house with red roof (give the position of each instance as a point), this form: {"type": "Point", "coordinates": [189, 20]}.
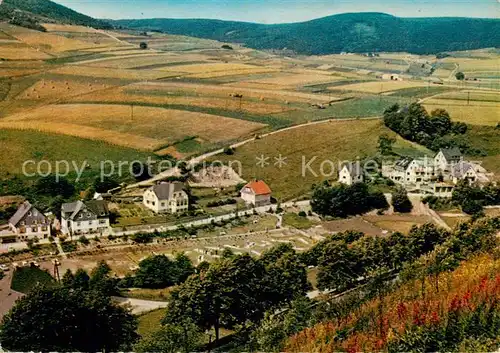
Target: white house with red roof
{"type": "Point", "coordinates": [256, 193]}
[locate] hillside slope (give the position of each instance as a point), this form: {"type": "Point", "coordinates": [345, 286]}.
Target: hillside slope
{"type": "Point", "coordinates": [31, 12]}
{"type": "Point", "coordinates": [350, 32]}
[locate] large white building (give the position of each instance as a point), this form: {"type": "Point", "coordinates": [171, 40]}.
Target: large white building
{"type": "Point", "coordinates": [166, 198]}
{"type": "Point", "coordinates": [437, 175]}
{"type": "Point", "coordinates": [90, 217]}
{"type": "Point", "coordinates": [28, 223]}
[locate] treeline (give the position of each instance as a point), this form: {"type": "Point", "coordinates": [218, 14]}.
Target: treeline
{"type": "Point", "coordinates": [346, 259]}
{"type": "Point", "coordinates": [435, 131]}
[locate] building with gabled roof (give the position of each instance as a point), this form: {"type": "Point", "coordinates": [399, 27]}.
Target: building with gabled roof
{"type": "Point", "coordinates": [256, 193]}
{"type": "Point", "coordinates": [351, 173]}
{"type": "Point", "coordinates": [167, 198]}
{"type": "Point", "coordinates": [28, 222]}
{"type": "Point", "coordinates": [85, 217]}
{"type": "Point", "coordinates": [446, 158]}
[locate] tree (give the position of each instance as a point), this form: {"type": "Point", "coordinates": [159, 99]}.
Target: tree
{"type": "Point", "coordinates": [460, 76]}
{"type": "Point", "coordinates": [101, 281]}
{"type": "Point", "coordinates": [170, 338]}
{"type": "Point", "coordinates": [160, 272]}
{"type": "Point", "coordinates": [51, 186]}
{"type": "Point", "coordinates": [385, 143]}
{"type": "Point", "coordinates": [401, 202]}
{"type": "Point", "coordinates": [64, 319]}
{"type": "Point", "coordinates": [105, 184]}
{"type": "Point", "coordinates": [81, 280]}
{"type": "Point", "coordinates": [343, 200]}
{"type": "Point", "coordinates": [143, 45]}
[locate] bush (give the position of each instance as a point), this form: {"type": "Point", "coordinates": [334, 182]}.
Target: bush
{"type": "Point", "coordinates": [84, 240]}
{"type": "Point", "coordinates": [142, 238]}
{"type": "Point", "coordinates": [69, 246]}
{"type": "Point", "coordinates": [143, 45]}
{"type": "Point", "coordinates": [302, 214]}
{"type": "Point", "coordinates": [229, 151]}
{"type": "Point", "coordinates": [472, 207]}
{"type": "Point", "coordinates": [401, 202]}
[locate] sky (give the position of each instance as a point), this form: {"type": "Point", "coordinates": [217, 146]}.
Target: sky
{"type": "Point", "coordinates": [279, 11]}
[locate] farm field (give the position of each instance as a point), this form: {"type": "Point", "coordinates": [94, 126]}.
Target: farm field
{"type": "Point", "coordinates": [476, 112]}
{"type": "Point", "coordinates": [112, 73]}
{"type": "Point", "coordinates": [380, 86]}
{"type": "Point", "coordinates": [19, 146]}
{"type": "Point", "coordinates": [143, 128]}
{"type": "Point", "coordinates": [332, 142]}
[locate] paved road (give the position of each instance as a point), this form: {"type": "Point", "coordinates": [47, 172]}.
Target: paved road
{"type": "Point", "coordinates": [139, 306]}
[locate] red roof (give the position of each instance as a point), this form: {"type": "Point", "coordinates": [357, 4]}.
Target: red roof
{"type": "Point", "coordinates": [259, 187]}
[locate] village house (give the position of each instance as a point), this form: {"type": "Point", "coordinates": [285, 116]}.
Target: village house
{"type": "Point", "coordinates": [85, 217]}
{"type": "Point", "coordinates": [28, 223]}
{"type": "Point", "coordinates": [166, 198]}
{"type": "Point", "coordinates": [256, 193]}
{"type": "Point", "coordinates": [351, 173]}
{"type": "Point", "coordinates": [447, 158]}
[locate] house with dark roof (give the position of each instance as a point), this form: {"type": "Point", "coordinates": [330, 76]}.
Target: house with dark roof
{"type": "Point", "coordinates": [446, 158]}
{"type": "Point", "coordinates": [256, 193]}
{"type": "Point", "coordinates": [166, 198]}
{"type": "Point", "coordinates": [351, 173]}
{"type": "Point", "coordinates": [28, 222]}
{"type": "Point", "coordinates": [89, 217]}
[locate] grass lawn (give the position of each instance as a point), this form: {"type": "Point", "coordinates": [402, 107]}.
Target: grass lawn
{"type": "Point", "coordinates": [487, 139]}
{"type": "Point", "coordinates": [26, 278]}
{"type": "Point", "coordinates": [150, 322]}
{"type": "Point", "coordinates": [296, 221]}
{"type": "Point", "coordinates": [148, 294]}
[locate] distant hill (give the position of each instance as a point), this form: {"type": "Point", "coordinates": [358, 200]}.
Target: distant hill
{"type": "Point", "coordinates": [350, 32]}
{"type": "Point", "coordinates": [29, 13]}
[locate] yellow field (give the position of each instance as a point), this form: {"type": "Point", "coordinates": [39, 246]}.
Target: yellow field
{"type": "Point", "coordinates": [477, 113]}
{"type": "Point", "coordinates": [379, 86]}
{"type": "Point", "coordinates": [21, 52]}
{"type": "Point", "coordinates": [12, 72]}
{"type": "Point", "coordinates": [127, 95]}
{"type": "Point", "coordinates": [147, 59]}
{"type": "Point", "coordinates": [224, 91]}
{"type": "Point", "coordinates": [471, 65]}
{"type": "Point", "coordinates": [294, 79]}
{"type": "Point", "coordinates": [52, 27]}
{"type": "Point", "coordinates": [155, 124]}
{"type": "Point", "coordinates": [232, 72]}
{"type": "Point", "coordinates": [112, 73]}
{"type": "Point", "coordinates": [87, 132]}
{"type": "Point", "coordinates": [209, 67]}
{"type": "Point", "coordinates": [44, 41]}
{"type": "Point", "coordinates": [45, 89]}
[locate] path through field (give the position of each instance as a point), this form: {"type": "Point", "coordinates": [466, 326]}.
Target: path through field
{"type": "Point", "coordinates": [195, 160]}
